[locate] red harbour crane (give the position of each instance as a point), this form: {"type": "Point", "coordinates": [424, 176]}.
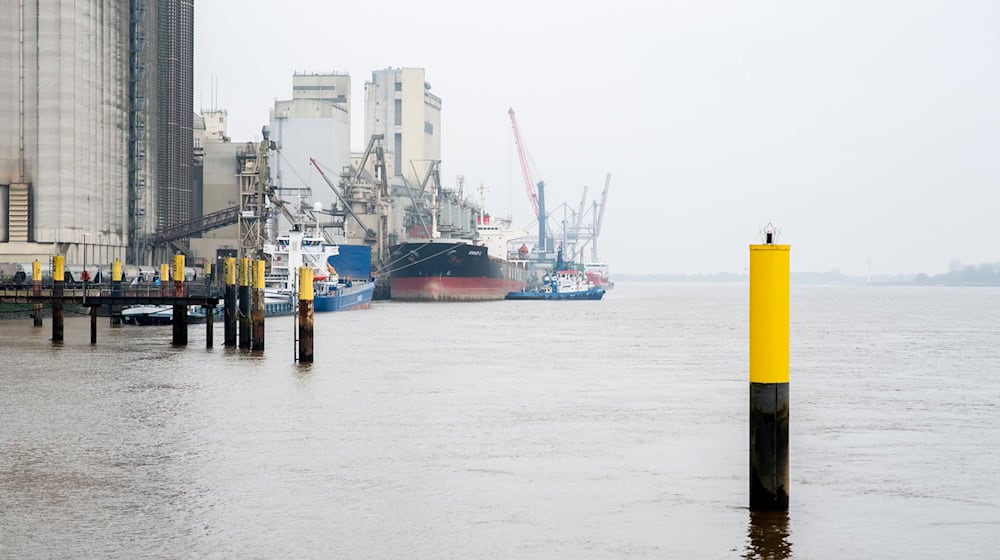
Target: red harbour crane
{"type": "Point", "coordinates": [529, 182]}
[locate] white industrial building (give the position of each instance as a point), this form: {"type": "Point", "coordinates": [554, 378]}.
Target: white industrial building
{"type": "Point", "coordinates": [314, 123]}
{"type": "Point", "coordinates": [400, 105]}
{"type": "Point", "coordinates": [64, 127]}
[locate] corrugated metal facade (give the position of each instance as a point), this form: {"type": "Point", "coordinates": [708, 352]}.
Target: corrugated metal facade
{"type": "Point", "coordinates": [175, 111]}
{"type": "Point", "coordinates": [63, 127]}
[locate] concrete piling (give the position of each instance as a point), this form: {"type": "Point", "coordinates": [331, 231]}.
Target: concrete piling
{"type": "Point", "coordinates": [769, 375]}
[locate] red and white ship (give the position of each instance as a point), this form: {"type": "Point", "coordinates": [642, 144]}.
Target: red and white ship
{"type": "Point", "coordinates": [458, 269]}
{"type": "Point", "coordinates": [598, 274]}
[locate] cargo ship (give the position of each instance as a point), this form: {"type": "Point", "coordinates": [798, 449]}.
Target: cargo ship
{"type": "Point", "coordinates": [598, 274]}
{"type": "Point", "coordinates": [458, 269]}
{"type": "Point", "coordinates": [333, 290]}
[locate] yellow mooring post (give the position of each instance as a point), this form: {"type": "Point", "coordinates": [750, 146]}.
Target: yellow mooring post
{"type": "Point", "coordinates": [36, 290]}
{"type": "Point", "coordinates": [116, 291]}
{"type": "Point", "coordinates": [179, 320]}
{"type": "Point", "coordinates": [244, 303]}
{"type": "Point", "coordinates": [164, 279]}
{"type": "Point", "coordinates": [229, 305]}
{"type": "Point", "coordinates": [58, 290]}
{"type": "Point", "coordinates": [257, 313]}
{"type": "Point", "coordinates": [769, 373]}
{"type": "Point", "coordinates": [306, 314]}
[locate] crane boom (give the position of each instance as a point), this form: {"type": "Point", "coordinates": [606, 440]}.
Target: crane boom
{"type": "Point", "coordinates": [529, 183]}
{"type": "Point", "coordinates": [347, 205]}
{"type": "Point", "coordinates": [579, 214]}
{"type": "Point", "coordinates": [604, 202]}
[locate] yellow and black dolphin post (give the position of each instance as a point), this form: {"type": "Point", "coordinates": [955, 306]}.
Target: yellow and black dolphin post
{"type": "Point", "coordinates": [769, 373]}
{"type": "Point", "coordinates": [58, 290]}
{"type": "Point", "coordinates": [257, 308]}
{"type": "Point", "coordinates": [244, 303]}
{"type": "Point", "coordinates": [180, 311]}
{"type": "Point", "coordinates": [36, 287]}
{"type": "Point", "coordinates": [116, 290]}
{"type": "Point", "coordinates": [306, 314]}
{"type": "Point", "coordinates": [229, 304]}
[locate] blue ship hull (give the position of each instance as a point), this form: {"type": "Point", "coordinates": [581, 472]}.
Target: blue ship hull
{"type": "Point", "coordinates": [344, 298]}
{"type": "Point", "coordinates": [591, 294]}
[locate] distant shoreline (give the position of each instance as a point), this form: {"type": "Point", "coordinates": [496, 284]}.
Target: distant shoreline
{"type": "Point", "coordinates": [954, 280]}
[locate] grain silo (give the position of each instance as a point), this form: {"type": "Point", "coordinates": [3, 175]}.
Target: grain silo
{"type": "Point", "coordinates": [64, 130]}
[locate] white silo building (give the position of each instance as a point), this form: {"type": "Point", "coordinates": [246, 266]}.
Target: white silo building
{"type": "Point", "coordinates": [64, 130]}
{"type": "Point", "coordinates": [399, 105]}
{"type": "Point", "coordinates": [314, 123]}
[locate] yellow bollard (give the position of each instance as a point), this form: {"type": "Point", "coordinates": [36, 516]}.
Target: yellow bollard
{"type": "Point", "coordinates": [769, 375]}
{"type": "Point", "coordinates": [164, 279]}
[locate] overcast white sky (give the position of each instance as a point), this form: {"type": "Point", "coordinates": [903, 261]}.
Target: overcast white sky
{"type": "Point", "coordinates": [857, 127]}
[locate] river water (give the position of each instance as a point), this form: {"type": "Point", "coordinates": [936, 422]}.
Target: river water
{"type": "Point", "coordinates": [612, 429]}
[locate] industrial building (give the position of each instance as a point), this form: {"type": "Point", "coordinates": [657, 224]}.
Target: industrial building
{"type": "Point", "coordinates": [64, 122]}
{"type": "Point", "coordinates": [174, 111]}
{"type": "Point", "coordinates": [314, 123]}
{"type": "Point", "coordinates": [95, 127]}
{"type": "Point", "coordinates": [399, 105]}
{"type": "Point", "coordinates": [217, 184]}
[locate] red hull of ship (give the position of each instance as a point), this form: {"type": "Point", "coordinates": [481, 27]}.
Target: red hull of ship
{"type": "Point", "coordinates": [444, 288]}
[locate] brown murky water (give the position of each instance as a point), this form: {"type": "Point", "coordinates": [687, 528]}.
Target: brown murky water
{"type": "Point", "coordinates": [612, 429]}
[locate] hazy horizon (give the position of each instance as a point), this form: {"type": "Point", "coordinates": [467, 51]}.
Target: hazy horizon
{"type": "Point", "coordinates": [863, 131]}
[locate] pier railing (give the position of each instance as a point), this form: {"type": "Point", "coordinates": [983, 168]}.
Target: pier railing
{"type": "Point", "coordinates": [108, 293]}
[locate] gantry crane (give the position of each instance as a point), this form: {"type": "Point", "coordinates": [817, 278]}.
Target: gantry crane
{"type": "Point", "coordinates": [598, 217]}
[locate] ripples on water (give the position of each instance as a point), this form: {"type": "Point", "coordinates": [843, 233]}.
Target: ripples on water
{"type": "Point", "coordinates": [510, 430]}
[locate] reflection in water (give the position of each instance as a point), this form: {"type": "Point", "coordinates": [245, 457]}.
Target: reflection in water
{"type": "Point", "coordinates": [767, 535]}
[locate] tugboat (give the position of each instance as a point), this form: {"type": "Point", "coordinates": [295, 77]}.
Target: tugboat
{"type": "Point", "coordinates": [563, 283]}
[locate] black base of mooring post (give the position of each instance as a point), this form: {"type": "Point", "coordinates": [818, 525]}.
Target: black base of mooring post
{"type": "Point", "coordinates": [209, 326]}
{"type": "Point", "coordinates": [306, 331]}
{"type": "Point", "coordinates": [229, 317]}
{"type": "Point", "coordinates": [244, 318]}
{"type": "Point", "coordinates": [768, 446]}
{"type": "Point", "coordinates": [93, 325]}
{"type": "Point", "coordinates": [58, 315]}
{"type": "Point", "coordinates": [179, 322]}
{"type": "Point", "coordinates": [257, 320]}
